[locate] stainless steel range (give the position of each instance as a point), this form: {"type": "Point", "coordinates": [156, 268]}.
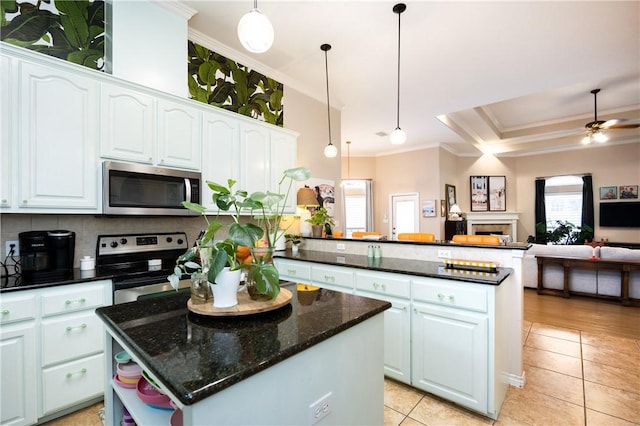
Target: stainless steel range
{"type": "Point", "coordinates": [140, 263]}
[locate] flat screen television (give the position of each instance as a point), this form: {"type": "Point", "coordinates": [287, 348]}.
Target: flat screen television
{"type": "Point", "coordinates": [621, 215]}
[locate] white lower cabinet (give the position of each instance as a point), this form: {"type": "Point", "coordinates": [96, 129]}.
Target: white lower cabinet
{"type": "Point", "coordinates": [449, 354]}
{"type": "Point", "coordinates": [52, 350]}
{"type": "Point", "coordinates": [18, 369]}
{"type": "Point", "coordinates": [394, 289]}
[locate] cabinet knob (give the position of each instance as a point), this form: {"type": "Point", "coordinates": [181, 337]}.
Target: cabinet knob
{"type": "Point", "coordinates": [291, 271]}
{"type": "Point", "coordinates": [5, 312]}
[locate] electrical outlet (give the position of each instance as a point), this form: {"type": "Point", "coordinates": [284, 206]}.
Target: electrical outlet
{"type": "Point", "coordinates": [444, 254]}
{"type": "Point", "coordinates": [320, 409]}
{"type": "Point", "coordinates": [340, 246]}
{"type": "Point", "coordinates": [16, 248]}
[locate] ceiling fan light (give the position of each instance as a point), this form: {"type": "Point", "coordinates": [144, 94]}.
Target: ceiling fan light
{"type": "Point", "coordinates": [255, 31]}
{"type": "Point", "coordinates": [330, 150]}
{"type": "Point", "coordinates": [398, 136]}
{"type": "Point", "coordinates": [586, 140]}
{"type": "Point", "coordinates": [599, 137]}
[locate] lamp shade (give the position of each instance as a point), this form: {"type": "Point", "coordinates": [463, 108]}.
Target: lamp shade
{"type": "Point", "coordinates": [307, 197]}
{"type": "Point", "coordinates": [455, 209]}
{"type": "Point", "coordinates": [398, 136]}
{"type": "Point", "coordinates": [255, 31]}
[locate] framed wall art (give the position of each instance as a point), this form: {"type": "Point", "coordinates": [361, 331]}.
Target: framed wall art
{"type": "Point", "coordinates": [497, 193]}
{"type": "Point", "coordinates": [608, 192]}
{"type": "Point", "coordinates": [479, 193]}
{"type": "Point", "coordinates": [429, 208]}
{"type": "Point", "coordinates": [443, 208]}
{"type": "Point", "coordinates": [450, 194]}
{"type": "Point", "coordinates": [628, 191]}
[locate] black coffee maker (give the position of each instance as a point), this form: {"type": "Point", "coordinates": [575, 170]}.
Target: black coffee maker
{"type": "Point", "coordinates": [47, 256]}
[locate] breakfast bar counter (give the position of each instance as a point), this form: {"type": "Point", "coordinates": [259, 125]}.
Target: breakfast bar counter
{"type": "Point", "coordinates": [269, 368]}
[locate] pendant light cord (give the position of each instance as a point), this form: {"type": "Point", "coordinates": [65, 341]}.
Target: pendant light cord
{"type": "Point", "coordinates": [398, 106]}
{"type": "Point", "coordinates": [326, 47]}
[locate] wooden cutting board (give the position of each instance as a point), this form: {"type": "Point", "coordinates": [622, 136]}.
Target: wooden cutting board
{"type": "Point", "coordinates": [245, 305]}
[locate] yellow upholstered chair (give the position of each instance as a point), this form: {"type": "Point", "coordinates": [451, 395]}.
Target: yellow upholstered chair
{"type": "Point", "coordinates": [422, 237]}
{"type": "Point", "coordinates": [360, 234]}
{"type": "Point", "coordinates": [490, 240]}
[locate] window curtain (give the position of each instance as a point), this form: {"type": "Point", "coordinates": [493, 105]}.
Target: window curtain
{"type": "Point", "coordinates": [540, 210]}
{"type": "Point", "coordinates": [587, 207]}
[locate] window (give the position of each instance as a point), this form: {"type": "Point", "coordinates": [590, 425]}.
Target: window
{"type": "Point", "coordinates": [563, 199]}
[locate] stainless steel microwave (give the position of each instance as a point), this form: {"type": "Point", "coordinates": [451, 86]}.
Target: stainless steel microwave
{"type": "Point", "coordinates": [138, 189]}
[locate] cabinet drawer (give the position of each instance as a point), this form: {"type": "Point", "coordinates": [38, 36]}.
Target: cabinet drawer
{"type": "Point", "coordinates": [72, 298]}
{"type": "Point", "coordinates": [71, 336]}
{"type": "Point", "coordinates": [385, 284]}
{"type": "Point", "coordinates": [335, 276]}
{"type": "Point", "coordinates": [454, 295]}
{"type": "Point", "coordinates": [17, 308]}
{"type": "Point", "coordinates": [294, 270]}
{"type": "Point", "coordinates": [68, 384]}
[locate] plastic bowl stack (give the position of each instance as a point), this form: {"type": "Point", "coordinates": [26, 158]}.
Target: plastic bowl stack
{"type": "Point", "coordinates": [128, 373]}
{"type": "Point", "coordinates": [150, 394]}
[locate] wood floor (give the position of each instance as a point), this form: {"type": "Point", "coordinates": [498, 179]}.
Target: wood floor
{"type": "Point", "coordinates": [582, 313]}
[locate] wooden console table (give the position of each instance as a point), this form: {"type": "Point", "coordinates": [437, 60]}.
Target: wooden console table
{"type": "Point", "coordinates": [624, 266]}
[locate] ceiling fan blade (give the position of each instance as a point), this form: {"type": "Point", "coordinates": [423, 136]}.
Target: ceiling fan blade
{"type": "Point", "coordinates": [623, 126]}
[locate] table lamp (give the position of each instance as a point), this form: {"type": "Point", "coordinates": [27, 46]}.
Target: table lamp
{"type": "Point", "coordinates": [454, 212]}
{"type": "Point", "coordinates": [306, 197]}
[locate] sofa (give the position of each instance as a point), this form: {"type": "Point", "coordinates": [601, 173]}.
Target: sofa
{"type": "Point", "coordinates": [581, 280]}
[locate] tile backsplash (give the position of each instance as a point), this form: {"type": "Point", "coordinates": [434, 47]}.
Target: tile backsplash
{"type": "Point", "coordinates": [88, 227]}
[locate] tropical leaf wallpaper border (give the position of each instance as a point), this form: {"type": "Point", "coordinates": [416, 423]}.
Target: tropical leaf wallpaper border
{"type": "Point", "coordinates": [224, 83]}
{"type": "Point", "coordinates": [69, 30]}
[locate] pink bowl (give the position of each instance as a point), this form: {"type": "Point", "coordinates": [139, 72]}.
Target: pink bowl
{"type": "Point", "coordinates": [130, 370]}
{"type": "Point", "coordinates": [122, 384]}
{"type": "Point", "coordinates": [151, 396]}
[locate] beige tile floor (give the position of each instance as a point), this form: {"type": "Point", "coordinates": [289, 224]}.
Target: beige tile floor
{"type": "Point", "coordinates": [572, 378]}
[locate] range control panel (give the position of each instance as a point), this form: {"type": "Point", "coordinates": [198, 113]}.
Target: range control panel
{"type": "Point", "coordinates": [140, 243]}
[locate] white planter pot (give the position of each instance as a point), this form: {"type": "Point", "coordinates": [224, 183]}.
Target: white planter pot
{"type": "Point", "coordinates": [225, 289]}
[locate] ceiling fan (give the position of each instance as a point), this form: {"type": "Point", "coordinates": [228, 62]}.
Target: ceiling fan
{"type": "Point", "coordinates": [595, 127]}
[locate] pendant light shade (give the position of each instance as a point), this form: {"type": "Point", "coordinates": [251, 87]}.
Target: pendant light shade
{"type": "Point", "coordinates": [255, 31]}
{"type": "Point", "coordinates": [330, 150]}
{"type": "Point", "coordinates": [398, 136]}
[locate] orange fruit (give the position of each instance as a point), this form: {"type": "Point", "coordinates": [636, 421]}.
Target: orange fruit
{"type": "Point", "coordinates": [242, 252]}
{"type": "Point", "coordinates": [248, 259]}
{"type": "Point", "coordinates": [262, 243]}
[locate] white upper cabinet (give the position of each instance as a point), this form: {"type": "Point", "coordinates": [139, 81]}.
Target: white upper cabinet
{"type": "Point", "coordinates": [128, 119]}
{"type": "Point", "coordinates": [254, 158]}
{"type": "Point", "coordinates": [283, 157]}
{"type": "Point", "coordinates": [179, 135]}
{"type": "Point", "coordinates": [6, 127]}
{"type": "Point", "coordinates": [220, 152]}
{"type": "Point", "coordinates": [58, 139]}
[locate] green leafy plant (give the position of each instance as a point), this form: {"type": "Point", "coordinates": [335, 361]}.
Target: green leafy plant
{"type": "Point", "coordinates": [320, 217]}
{"type": "Point", "coordinates": [563, 233]}
{"type": "Point", "coordinates": [75, 34]}
{"type": "Point", "coordinates": [216, 256]}
{"type": "Point", "coordinates": [221, 82]}
{"type": "Point", "coordinates": [295, 239]}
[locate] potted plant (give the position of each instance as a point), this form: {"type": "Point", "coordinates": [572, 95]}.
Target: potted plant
{"type": "Point", "coordinates": [230, 253]}
{"type": "Point", "coordinates": [318, 220]}
{"type": "Point", "coordinates": [295, 240]}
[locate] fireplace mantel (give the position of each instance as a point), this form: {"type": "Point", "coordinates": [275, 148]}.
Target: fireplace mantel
{"type": "Point", "coordinates": [491, 218]}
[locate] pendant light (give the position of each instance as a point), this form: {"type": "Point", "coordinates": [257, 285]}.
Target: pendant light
{"type": "Point", "coordinates": [330, 150]}
{"type": "Point", "coordinates": [255, 31]}
{"type": "Point", "coordinates": [398, 136]}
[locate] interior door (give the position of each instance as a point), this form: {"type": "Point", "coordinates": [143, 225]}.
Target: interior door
{"type": "Point", "coordinates": [404, 214]}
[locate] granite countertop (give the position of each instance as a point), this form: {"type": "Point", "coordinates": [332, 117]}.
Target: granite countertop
{"type": "Point", "coordinates": [74, 276]}
{"type": "Point", "coordinates": [196, 356]}
{"type": "Point", "coordinates": [420, 268]}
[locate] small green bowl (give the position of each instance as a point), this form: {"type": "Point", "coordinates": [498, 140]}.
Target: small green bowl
{"type": "Point", "coordinates": [122, 357]}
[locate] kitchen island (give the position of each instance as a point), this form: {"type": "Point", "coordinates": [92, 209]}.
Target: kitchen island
{"type": "Point", "coordinates": [272, 368]}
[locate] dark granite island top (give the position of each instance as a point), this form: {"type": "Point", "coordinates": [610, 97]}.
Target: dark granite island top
{"type": "Point", "coordinates": [419, 268]}
{"type": "Point", "coordinates": [195, 357]}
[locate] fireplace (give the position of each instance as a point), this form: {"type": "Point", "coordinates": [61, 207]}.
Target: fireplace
{"type": "Point", "coordinates": [496, 223]}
